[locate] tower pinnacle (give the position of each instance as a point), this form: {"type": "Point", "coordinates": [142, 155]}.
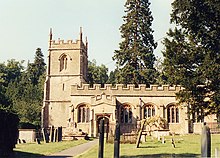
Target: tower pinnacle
{"type": "Point", "coordinates": [80, 36]}
{"type": "Point", "coordinates": [50, 37]}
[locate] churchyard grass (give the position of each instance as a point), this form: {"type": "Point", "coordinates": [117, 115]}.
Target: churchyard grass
{"type": "Point", "coordinates": [186, 146]}
{"type": "Point", "coordinates": [34, 150]}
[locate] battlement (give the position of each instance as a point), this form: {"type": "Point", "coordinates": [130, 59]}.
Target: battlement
{"type": "Point", "coordinates": [69, 44]}
{"type": "Point", "coordinates": [120, 89]}
{"type": "Point", "coordinates": [58, 42]}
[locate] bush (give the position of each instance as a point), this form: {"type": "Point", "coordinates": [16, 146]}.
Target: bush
{"type": "Point", "coordinates": [8, 133]}
{"type": "Point", "coordinates": [27, 125]}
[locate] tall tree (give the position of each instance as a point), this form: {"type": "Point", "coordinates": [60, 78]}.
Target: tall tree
{"type": "Point", "coordinates": [135, 56]}
{"type": "Point", "coordinates": [25, 91]}
{"type": "Point", "coordinates": [4, 103]}
{"type": "Point", "coordinates": [37, 68]}
{"type": "Point", "coordinates": [9, 72]}
{"type": "Point", "coordinates": [192, 57]}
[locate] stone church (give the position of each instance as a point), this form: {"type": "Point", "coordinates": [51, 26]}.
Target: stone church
{"type": "Point", "coordinates": [72, 103]}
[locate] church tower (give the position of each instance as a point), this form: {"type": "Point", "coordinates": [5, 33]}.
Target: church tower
{"type": "Point", "coordinates": [67, 65]}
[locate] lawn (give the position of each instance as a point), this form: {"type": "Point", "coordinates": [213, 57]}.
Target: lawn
{"type": "Point", "coordinates": [186, 146]}
{"type": "Point", "coordinates": [33, 150]}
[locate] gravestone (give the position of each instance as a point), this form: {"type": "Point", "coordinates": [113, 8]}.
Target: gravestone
{"type": "Point", "coordinates": [38, 140]}
{"type": "Point", "coordinates": [52, 134]}
{"type": "Point", "coordinates": [56, 135]}
{"type": "Point", "coordinates": [163, 140]}
{"type": "Point", "coordinates": [206, 142]}
{"type": "Point", "coordinates": [117, 140]}
{"type": "Point", "coordinates": [217, 155]}
{"type": "Point", "coordinates": [59, 134]}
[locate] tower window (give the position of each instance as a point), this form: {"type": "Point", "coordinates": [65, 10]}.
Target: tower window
{"type": "Point", "coordinates": [63, 62]}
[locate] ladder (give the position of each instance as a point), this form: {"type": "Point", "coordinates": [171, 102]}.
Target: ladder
{"type": "Point", "coordinates": [140, 133]}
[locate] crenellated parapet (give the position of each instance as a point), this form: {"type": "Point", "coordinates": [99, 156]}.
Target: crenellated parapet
{"type": "Point", "coordinates": [120, 89]}
{"type": "Point", "coordinates": [69, 44]}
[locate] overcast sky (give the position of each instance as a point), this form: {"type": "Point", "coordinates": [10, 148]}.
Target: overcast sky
{"type": "Point", "coordinates": [25, 24]}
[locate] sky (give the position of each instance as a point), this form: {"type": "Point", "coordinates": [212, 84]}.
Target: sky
{"type": "Point", "coordinates": [25, 25]}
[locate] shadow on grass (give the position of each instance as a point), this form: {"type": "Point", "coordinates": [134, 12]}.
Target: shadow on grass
{"type": "Point", "coordinates": [163, 155]}
{"type": "Point", "coordinates": [147, 147]}
{"type": "Point", "coordinates": [20, 154]}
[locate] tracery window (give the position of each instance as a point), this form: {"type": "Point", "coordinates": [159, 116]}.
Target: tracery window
{"type": "Point", "coordinates": [83, 114]}
{"type": "Point", "coordinates": [125, 114]}
{"type": "Point", "coordinates": [173, 114]}
{"type": "Point", "coordinates": [148, 111]}
{"type": "Point", "coordinates": [63, 62]}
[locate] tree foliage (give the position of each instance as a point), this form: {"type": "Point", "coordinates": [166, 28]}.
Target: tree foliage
{"type": "Point", "coordinates": [135, 56]}
{"type": "Point", "coordinates": [37, 68]}
{"type": "Point", "coordinates": [192, 57]}
{"type": "Point", "coordinates": [22, 89]}
{"type": "Point", "coordinates": [97, 74]}
{"type": "Point", "coordinates": [9, 72]}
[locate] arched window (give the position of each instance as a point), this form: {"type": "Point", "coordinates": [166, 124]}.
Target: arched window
{"type": "Point", "coordinates": [83, 114]}
{"type": "Point", "coordinates": [148, 111]}
{"type": "Point", "coordinates": [173, 114]}
{"type": "Point", "coordinates": [125, 114]}
{"type": "Point", "coordinates": [63, 62]}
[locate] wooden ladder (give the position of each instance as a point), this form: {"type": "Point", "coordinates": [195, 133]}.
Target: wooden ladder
{"type": "Point", "coordinates": [140, 133]}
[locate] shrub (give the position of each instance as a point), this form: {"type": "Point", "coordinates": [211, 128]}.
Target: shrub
{"type": "Point", "coordinates": [8, 133]}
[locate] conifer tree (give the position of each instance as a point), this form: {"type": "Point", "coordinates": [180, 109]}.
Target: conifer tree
{"type": "Point", "coordinates": [192, 57]}
{"type": "Point", "coordinates": [37, 68]}
{"type": "Point", "coordinates": [135, 57]}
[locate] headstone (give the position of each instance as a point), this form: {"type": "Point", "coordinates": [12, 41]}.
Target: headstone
{"type": "Point", "coordinates": [101, 139]}
{"type": "Point", "coordinates": [38, 140]}
{"type": "Point", "coordinates": [163, 140]}
{"type": "Point", "coordinates": [46, 133]}
{"type": "Point", "coordinates": [206, 142]}
{"type": "Point", "coordinates": [59, 134]}
{"type": "Point", "coordinates": [52, 134]}
{"type": "Point", "coordinates": [56, 135]}
{"type": "Point", "coordinates": [158, 138]}
{"type": "Point", "coordinates": [43, 135]}
{"type": "Point", "coordinates": [217, 153]}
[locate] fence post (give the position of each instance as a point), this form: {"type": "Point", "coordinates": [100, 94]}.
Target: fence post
{"type": "Point", "coordinates": [101, 139]}
{"type": "Point", "coordinates": [206, 142]}
{"type": "Point", "coordinates": [117, 140]}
